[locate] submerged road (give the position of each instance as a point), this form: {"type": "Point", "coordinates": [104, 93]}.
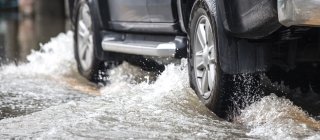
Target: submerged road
{"type": "Point", "coordinates": [45, 98]}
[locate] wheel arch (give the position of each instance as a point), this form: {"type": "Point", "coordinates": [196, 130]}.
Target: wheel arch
{"type": "Point", "coordinates": [184, 11]}
{"type": "Point", "coordinates": [236, 55]}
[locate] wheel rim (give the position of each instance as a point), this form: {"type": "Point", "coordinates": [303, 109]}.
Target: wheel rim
{"type": "Point", "coordinates": [85, 38]}
{"type": "Point", "coordinates": [205, 57]}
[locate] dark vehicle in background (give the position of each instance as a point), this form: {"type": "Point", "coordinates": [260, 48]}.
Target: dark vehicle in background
{"type": "Point", "coordinates": [8, 4]}
{"type": "Point", "coordinates": [220, 39]}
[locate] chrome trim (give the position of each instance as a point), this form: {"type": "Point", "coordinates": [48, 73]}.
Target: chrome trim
{"type": "Point", "coordinates": [162, 49]}
{"type": "Point", "coordinates": [67, 8]}
{"type": "Point", "coordinates": [181, 22]}
{"type": "Point", "coordinates": [299, 12]}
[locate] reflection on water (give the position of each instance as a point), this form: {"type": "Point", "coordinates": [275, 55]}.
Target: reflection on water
{"type": "Point", "coordinates": [20, 34]}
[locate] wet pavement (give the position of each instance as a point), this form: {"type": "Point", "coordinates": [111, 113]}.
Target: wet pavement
{"type": "Point", "coordinates": [43, 97]}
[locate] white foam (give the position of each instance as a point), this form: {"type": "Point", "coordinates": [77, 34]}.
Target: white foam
{"type": "Point", "coordinates": [54, 58]}
{"type": "Point", "coordinates": [173, 80]}
{"type": "Point", "coordinates": [278, 118]}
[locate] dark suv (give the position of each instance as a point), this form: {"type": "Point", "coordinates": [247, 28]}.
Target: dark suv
{"type": "Point", "coordinates": [218, 37]}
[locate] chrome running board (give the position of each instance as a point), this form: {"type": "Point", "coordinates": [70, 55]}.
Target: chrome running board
{"type": "Point", "coordinates": [144, 47]}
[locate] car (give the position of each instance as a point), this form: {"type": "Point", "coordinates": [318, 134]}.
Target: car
{"type": "Point", "coordinates": [219, 38]}
{"type": "Point", "coordinates": [8, 4]}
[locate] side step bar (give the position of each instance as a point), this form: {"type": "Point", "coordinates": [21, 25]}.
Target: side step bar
{"type": "Point", "coordinates": [144, 47]}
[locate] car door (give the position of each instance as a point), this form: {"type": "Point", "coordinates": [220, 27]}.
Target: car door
{"type": "Point", "coordinates": [128, 11]}
{"type": "Point", "coordinates": [160, 11]}
{"type": "Point", "coordinates": [142, 16]}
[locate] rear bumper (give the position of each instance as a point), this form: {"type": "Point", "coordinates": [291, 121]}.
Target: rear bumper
{"type": "Point", "coordinates": [299, 12]}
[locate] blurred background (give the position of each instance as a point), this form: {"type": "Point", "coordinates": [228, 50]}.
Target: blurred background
{"type": "Point", "coordinates": [26, 23]}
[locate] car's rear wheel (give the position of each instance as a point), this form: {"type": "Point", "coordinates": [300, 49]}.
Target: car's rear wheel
{"type": "Point", "coordinates": [215, 88]}
{"type": "Point", "coordinates": [204, 69]}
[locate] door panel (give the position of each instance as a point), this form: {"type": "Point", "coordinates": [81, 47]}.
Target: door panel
{"type": "Point", "coordinates": [143, 16]}
{"type": "Point", "coordinates": [141, 10]}
{"type": "Point", "coordinates": [129, 10]}
{"type": "Point", "coordinates": [160, 10]}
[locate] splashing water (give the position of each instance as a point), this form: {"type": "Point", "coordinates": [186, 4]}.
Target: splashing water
{"type": "Point", "coordinates": [53, 58]}
{"type": "Point", "coordinates": [33, 86]}
{"type": "Point", "coordinates": [246, 89]}
{"type": "Point", "coordinates": [166, 108]}
{"type": "Point", "coordinates": [278, 118]}
{"type": "Point", "coordinates": [128, 108]}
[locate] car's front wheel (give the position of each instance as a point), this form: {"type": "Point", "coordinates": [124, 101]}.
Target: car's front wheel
{"type": "Point", "coordinates": [87, 42]}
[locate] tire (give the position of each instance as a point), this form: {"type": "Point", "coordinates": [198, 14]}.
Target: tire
{"type": "Point", "coordinates": [87, 44]}
{"type": "Point", "coordinates": [204, 78]}
{"type": "Point", "coordinates": [216, 89]}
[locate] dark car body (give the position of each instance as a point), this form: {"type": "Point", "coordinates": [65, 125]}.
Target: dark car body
{"type": "Point", "coordinates": [250, 36]}
{"type": "Point", "coordinates": [170, 18]}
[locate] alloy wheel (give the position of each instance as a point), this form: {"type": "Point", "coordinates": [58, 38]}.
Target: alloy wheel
{"type": "Point", "coordinates": [205, 57]}
{"type": "Point", "coordinates": [85, 38]}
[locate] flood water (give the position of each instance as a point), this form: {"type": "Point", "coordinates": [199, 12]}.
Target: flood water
{"type": "Point", "coordinates": [43, 97]}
